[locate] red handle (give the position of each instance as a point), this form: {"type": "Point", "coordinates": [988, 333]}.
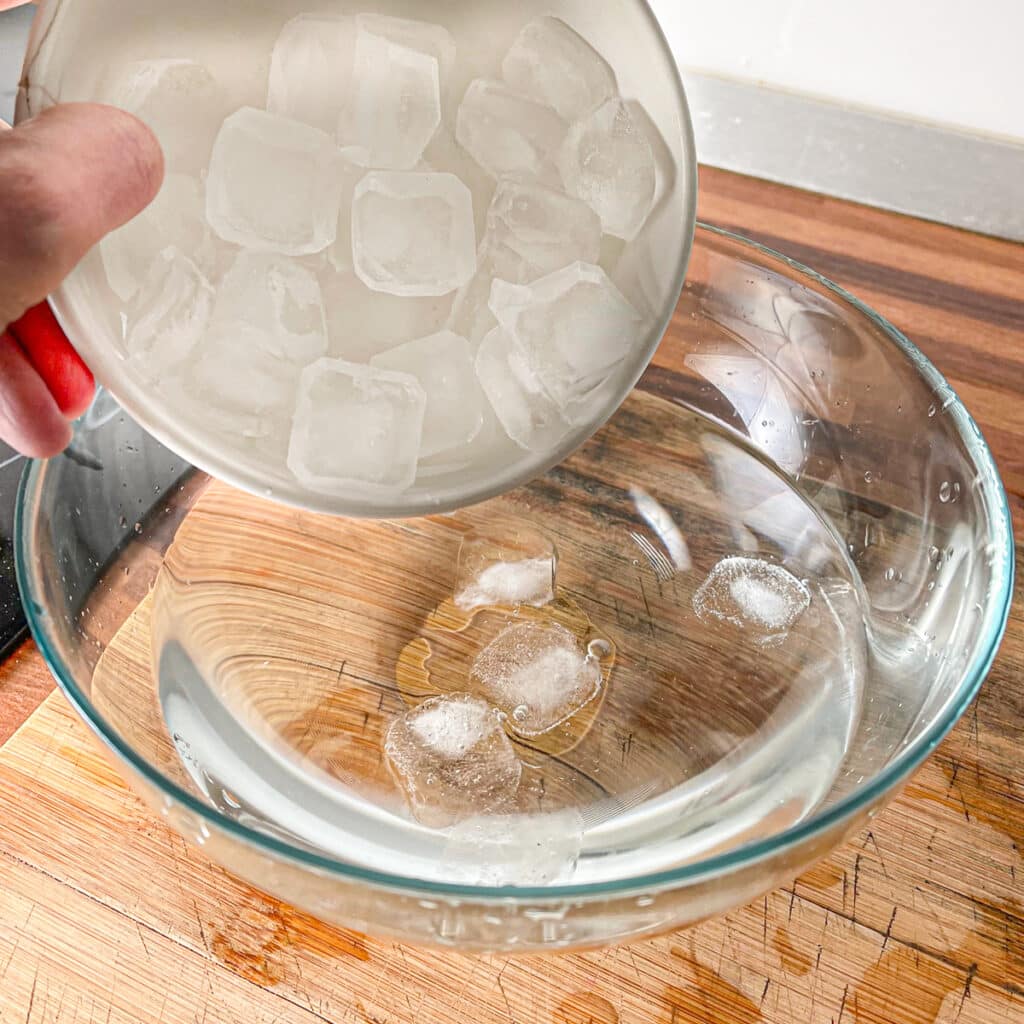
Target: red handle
{"type": "Point", "coordinates": [64, 373]}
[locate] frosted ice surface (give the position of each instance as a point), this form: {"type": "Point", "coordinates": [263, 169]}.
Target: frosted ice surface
{"type": "Point", "coordinates": [394, 108]}
{"type": "Point", "coordinates": [311, 70]}
{"type": "Point", "coordinates": [541, 228]}
{"type": "Point", "coordinates": [356, 428]}
{"type": "Point", "coordinates": [505, 574]}
{"type": "Point", "coordinates": [526, 412]}
{"type": "Point", "coordinates": [452, 760]}
{"type": "Point", "coordinates": [515, 850]}
{"type": "Point", "coordinates": [423, 36]}
{"type": "Point", "coordinates": [608, 161]}
{"type": "Point", "coordinates": [538, 676]}
{"type": "Point", "coordinates": [573, 328]}
{"type": "Point", "coordinates": [412, 233]}
{"type": "Point", "coordinates": [175, 218]}
{"type": "Point", "coordinates": [274, 184]}
{"type": "Point", "coordinates": [180, 101]}
{"type": "Point", "coordinates": [443, 364]}
{"type": "Point", "coordinates": [751, 592]}
{"type": "Point", "coordinates": [507, 133]}
{"type": "Point", "coordinates": [169, 315]}
{"type": "Point", "coordinates": [552, 64]}
{"type": "Point", "coordinates": [279, 297]}
{"type": "Point", "coordinates": [362, 323]}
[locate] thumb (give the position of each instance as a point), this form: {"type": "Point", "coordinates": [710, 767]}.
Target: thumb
{"type": "Point", "coordinates": [67, 178]}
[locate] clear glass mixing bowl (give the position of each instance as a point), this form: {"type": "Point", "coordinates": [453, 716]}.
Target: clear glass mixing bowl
{"type": "Point", "coordinates": [241, 660]}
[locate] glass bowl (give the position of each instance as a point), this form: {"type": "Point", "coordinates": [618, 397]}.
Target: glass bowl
{"type": "Point", "coordinates": [77, 51]}
{"type": "Point", "coordinates": [791, 545]}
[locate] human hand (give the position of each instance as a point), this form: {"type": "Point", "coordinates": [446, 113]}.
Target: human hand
{"type": "Point", "coordinates": [67, 178]}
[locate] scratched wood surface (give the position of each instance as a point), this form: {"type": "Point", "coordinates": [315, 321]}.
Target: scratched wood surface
{"type": "Point", "coordinates": [105, 915]}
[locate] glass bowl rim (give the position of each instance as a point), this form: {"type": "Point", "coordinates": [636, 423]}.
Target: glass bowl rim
{"type": "Point", "coordinates": [842, 812]}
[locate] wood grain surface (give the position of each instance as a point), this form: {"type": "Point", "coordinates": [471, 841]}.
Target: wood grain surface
{"type": "Point", "coordinates": [105, 915]}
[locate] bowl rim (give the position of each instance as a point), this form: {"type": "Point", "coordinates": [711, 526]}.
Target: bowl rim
{"type": "Point", "coordinates": [157, 418]}
{"type": "Point", "coordinates": [842, 813]}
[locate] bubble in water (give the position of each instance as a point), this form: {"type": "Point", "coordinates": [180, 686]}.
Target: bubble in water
{"type": "Point", "coordinates": [949, 492]}
{"type": "Point", "coordinates": [869, 477]}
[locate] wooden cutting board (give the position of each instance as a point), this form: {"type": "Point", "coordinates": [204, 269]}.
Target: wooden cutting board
{"type": "Point", "coordinates": [107, 916]}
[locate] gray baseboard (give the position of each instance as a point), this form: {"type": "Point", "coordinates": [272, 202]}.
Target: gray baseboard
{"type": "Point", "coordinates": [970, 181]}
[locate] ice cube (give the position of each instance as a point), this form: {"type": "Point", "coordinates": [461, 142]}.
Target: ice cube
{"type": "Point", "coordinates": [422, 36]}
{"type": "Point", "coordinates": [180, 101]}
{"type": "Point", "coordinates": [515, 850]}
{"type": "Point", "coordinates": [538, 675]}
{"type": "Point", "coordinates": [552, 64]}
{"type": "Point", "coordinates": [608, 161]}
{"type": "Point", "coordinates": [175, 218]}
{"type": "Point", "coordinates": [279, 297]}
{"type": "Point", "coordinates": [274, 184]}
{"type": "Point", "coordinates": [752, 593]}
{"type": "Point", "coordinates": [443, 364]}
{"type": "Point", "coordinates": [507, 133]}
{"type": "Point", "coordinates": [412, 233]}
{"type": "Point", "coordinates": [356, 429]}
{"type": "Point", "coordinates": [452, 760]}
{"type": "Point", "coordinates": [311, 70]}
{"type": "Point", "coordinates": [573, 327]}
{"type": "Point", "coordinates": [541, 228]}
{"type": "Point", "coordinates": [471, 316]}
{"type": "Point", "coordinates": [169, 315]}
{"type": "Point", "coordinates": [362, 323]}
{"type": "Point", "coordinates": [526, 412]}
{"type": "Point", "coordinates": [394, 107]}
{"type": "Point", "coordinates": [505, 572]}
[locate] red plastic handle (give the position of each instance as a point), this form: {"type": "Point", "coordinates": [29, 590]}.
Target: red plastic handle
{"type": "Point", "coordinates": [64, 373]}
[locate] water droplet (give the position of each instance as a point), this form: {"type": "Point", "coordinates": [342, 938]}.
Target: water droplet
{"type": "Point", "coordinates": [893, 575]}
{"type": "Point", "coordinates": [945, 492]}
{"type": "Point", "coordinates": [869, 477]}
{"type": "Point", "coordinates": [932, 410]}
{"type": "Point", "coordinates": [123, 522]}
{"type": "Point", "coordinates": [521, 713]}
{"type": "Point", "coordinates": [599, 648]}
{"type": "Point", "coordinates": [138, 527]}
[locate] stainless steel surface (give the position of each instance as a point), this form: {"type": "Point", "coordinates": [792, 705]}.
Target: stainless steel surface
{"type": "Point", "coordinates": [970, 181]}
{"type": "Point", "coordinates": [14, 27]}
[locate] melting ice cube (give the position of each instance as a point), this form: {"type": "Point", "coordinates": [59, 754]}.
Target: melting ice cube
{"type": "Point", "coordinates": [752, 593]}
{"type": "Point", "coordinates": [507, 133]}
{"type": "Point", "coordinates": [443, 364]}
{"type": "Point", "coordinates": [395, 104]}
{"type": "Point", "coordinates": [452, 760]}
{"type": "Point", "coordinates": [169, 314]}
{"type": "Point", "coordinates": [356, 428]}
{"type": "Point", "coordinates": [279, 297]}
{"type": "Point", "coordinates": [515, 850]}
{"type": "Point", "coordinates": [553, 64]}
{"type": "Point", "coordinates": [608, 161]}
{"type": "Point", "coordinates": [175, 218]}
{"type": "Point", "coordinates": [274, 184]}
{"type": "Point", "coordinates": [362, 323]}
{"type": "Point", "coordinates": [422, 36]}
{"type": "Point", "coordinates": [573, 327]}
{"type": "Point", "coordinates": [524, 409]}
{"type": "Point", "coordinates": [544, 229]}
{"type": "Point", "coordinates": [179, 100]}
{"type": "Point", "coordinates": [311, 70]}
{"type": "Point", "coordinates": [412, 233]}
{"type": "Point", "coordinates": [538, 675]}
{"type": "Point", "coordinates": [505, 573]}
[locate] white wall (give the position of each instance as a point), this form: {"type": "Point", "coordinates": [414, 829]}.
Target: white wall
{"type": "Point", "coordinates": [954, 62]}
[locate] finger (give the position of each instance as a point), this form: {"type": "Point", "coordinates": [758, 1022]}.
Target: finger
{"type": "Point", "coordinates": [30, 420]}
{"type": "Point", "coordinates": [61, 368]}
{"type": "Point", "coordinates": [67, 178]}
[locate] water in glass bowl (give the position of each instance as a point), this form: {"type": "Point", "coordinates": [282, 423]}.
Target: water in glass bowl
{"type": "Point", "coordinates": [634, 659]}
